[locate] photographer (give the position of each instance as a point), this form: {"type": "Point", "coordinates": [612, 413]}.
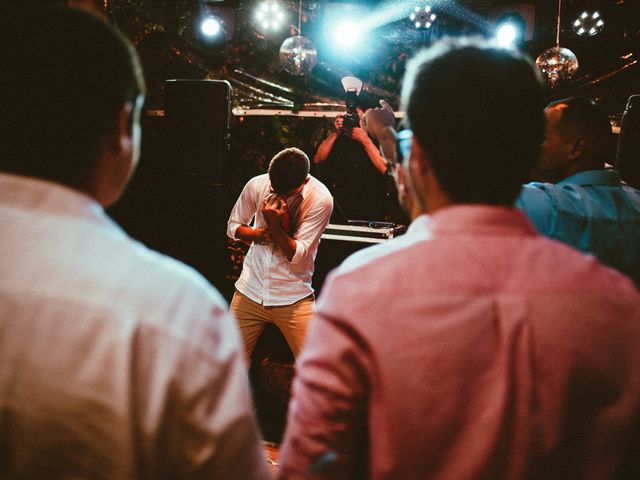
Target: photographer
{"type": "Point", "coordinates": [351, 165]}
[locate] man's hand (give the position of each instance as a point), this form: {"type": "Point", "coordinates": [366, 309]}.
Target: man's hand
{"type": "Point", "coordinates": [274, 209]}
{"type": "Point", "coordinates": [379, 121]}
{"type": "Point", "coordinates": [339, 122]}
{"type": "Point", "coordinates": [380, 124]}
{"type": "Point", "coordinates": [360, 136]}
{"type": "Point", "coordinates": [264, 236]}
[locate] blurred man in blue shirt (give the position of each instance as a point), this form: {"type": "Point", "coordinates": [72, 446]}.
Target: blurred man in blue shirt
{"type": "Point", "coordinates": [584, 204]}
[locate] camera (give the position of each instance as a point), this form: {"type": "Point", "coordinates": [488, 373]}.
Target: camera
{"type": "Point", "coordinates": [351, 119]}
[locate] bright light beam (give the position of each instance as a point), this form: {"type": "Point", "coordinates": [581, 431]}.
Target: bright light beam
{"type": "Point", "coordinates": [210, 26]}
{"type": "Point", "coordinates": [347, 33]}
{"type": "Point", "coordinates": [506, 35]}
{"type": "Point", "coordinates": [391, 11]}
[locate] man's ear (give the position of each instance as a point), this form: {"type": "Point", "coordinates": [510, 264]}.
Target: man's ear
{"type": "Point", "coordinates": [427, 190]}
{"type": "Point", "coordinates": [418, 169]}
{"type": "Point", "coordinates": [419, 160]}
{"type": "Point", "coordinates": [115, 160]}
{"type": "Point", "coordinates": [119, 137]}
{"type": "Point", "coordinates": [578, 147]}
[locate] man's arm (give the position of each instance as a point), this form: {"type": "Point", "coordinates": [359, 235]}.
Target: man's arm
{"type": "Point", "coordinates": [324, 149]}
{"type": "Point", "coordinates": [360, 136]}
{"type": "Point", "coordinates": [253, 234]}
{"type": "Point", "coordinates": [311, 228]}
{"type": "Point", "coordinates": [307, 233]}
{"type": "Point", "coordinates": [242, 213]}
{"type": "Point", "coordinates": [327, 425]}
{"type": "Point", "coordinates": [380, 124]}
{"type": "Point", "coordinates": [537, 203]}
{"type": "Point", "coordinates": [273, 210]}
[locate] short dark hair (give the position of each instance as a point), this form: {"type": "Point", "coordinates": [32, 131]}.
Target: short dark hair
{"type": "Point", "coordinates": [288, 169]}
{"type": "Point", "coordinates": [478, 111]}
{"type": "Point", "coordinates": [583, 116]}
{"type": "Point", "coordinates": [66, 74]}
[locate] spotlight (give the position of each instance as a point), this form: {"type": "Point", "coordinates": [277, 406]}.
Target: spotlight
{"type": "Point", "coordinates": [506, 34]}
{"type": "Point", "coordinates": [509, 30]}
{"type": "Point", "coordinates": [347, 34]}
{"type": "Point", "coordinates": [210, 26]}
{"type": "Point", "coordinates": [588, 23]}
{"type": "Point", "coordinates": [422, 17]}
{"type": "Point", "coordinates": [269, 16]}
{"type": "Point", "coordinates": [345, 28]}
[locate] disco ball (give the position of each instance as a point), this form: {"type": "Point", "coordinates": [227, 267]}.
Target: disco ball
{"type": "Point", "coordinates": [557, 64]}
{"type": "Point", "coordinates": [298, 55]}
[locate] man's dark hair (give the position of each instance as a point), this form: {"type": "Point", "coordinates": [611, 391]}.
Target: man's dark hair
{"type": "Point", "coordinates": [288, 169]}
{"type": "Point", "coordinates": [477, 110]}
{"type": "Point", "coordinates": [65, 76]}
{"type": "Point", "coordinates": [583, 116]}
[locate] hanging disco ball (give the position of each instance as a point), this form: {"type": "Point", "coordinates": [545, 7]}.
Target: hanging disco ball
{"type": "Point", "coordinates": [298, 55]}
{"type": "Point", "coordinates": [557, 64]}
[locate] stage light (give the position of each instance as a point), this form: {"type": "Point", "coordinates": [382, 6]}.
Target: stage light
{"type": "Point", "coordinates": [422, 17]}
{"type": "Point", "coordinates": [210, 26]}
{"type": "Point", "coordinates": [347, 34]}
{"type": "Point", "coordinates": [588, 23]}
{"type": "Point", "coordinates": [506, 34]}
{"type": "Point", "coordinates": [269, 16]}
{"type": "Point", "coordinates": [509, 30]}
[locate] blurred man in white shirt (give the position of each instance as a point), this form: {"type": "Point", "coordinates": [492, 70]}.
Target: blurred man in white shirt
{"type": "Point", "coordinates": [115, 362]}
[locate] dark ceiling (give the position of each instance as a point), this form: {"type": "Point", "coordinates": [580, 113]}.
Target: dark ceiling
{"type": "Point", "coordinates": [164, 32]}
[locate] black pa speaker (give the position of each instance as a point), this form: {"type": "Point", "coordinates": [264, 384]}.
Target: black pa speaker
{"type": "Point", "coordinates": [197, 115]}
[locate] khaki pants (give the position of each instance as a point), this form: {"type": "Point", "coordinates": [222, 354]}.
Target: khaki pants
{"type": "Point", "coordinates": [291, 320]}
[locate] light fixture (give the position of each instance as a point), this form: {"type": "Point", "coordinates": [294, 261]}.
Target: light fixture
{"type": "Point", "coordinates": [210, 26]}
{"type": "Point", "coordinates": [345, 27]}
{"type": "Point", "coordinates": [588, 23]}
{"type": "Point", "coordinates": [506, 35]}
{"type": "Point", "coordinates": [269, 16]}
{"type": "Point", "coordinates": [298, 54]}
{"type": "Point", "coordinates": [347, 33]}
{"type": "Point", "coordinates": [422, 17]}
{"type": "Point", "coordinates": [509, 29]}
{"type": "Point", "coordinates": [557, 64]}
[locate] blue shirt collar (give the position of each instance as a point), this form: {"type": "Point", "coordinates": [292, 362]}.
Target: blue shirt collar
{"type": "Point", "coordinates": [593, 177]}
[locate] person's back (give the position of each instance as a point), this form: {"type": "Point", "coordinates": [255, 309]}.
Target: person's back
{"type": "Point", "coordinates": [475, 362]}
{"type": "Point", "coordinates": [584, 205]}
{"type": "Point", "coordinates": [115, 361]}
{"type": "Point", "coordinates": [471, 347]}
{"type": "Point", "coordinates": [591, 211]}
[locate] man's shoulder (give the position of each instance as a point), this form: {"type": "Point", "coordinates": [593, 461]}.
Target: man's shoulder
{"type": "Point", "coordinates": [539, 192]}
{"type": "Point", "coordinates": [632, 193]}
{"type": "Point", "coordinates": [319, 191]}
{"type": "Point", "coordinates": [383, 260]}
{"type": "Point", "coordinates": [168, 296]}
{"type": "Point", "coordinates": [259, 180]}
{"type": "Point", "coordinates": [542, 200]}
{"type": "Point", "coordinates": [171, 276]}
